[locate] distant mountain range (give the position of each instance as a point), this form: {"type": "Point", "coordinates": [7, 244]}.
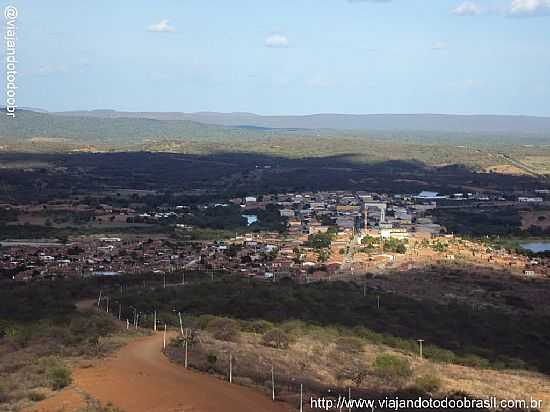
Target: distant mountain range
{"type": "Point", "coordinates": [471, 124]}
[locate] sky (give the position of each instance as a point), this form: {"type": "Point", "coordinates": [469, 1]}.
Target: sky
{"type": "Point", "coordinates": [285, 56]}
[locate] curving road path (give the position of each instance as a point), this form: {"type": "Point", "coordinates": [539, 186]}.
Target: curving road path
{"type": "Point", "coordinates": [139, 378]}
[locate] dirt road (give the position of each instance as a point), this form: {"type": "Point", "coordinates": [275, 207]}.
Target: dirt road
{"type": "Point", "coordinates": [139, 378]}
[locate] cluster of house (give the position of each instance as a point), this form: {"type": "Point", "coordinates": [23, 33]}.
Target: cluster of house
{"type": "Point", "coordinates": [264, 254]}
{"type": "Point", "coordinates": [391, 215]}
{"type": "Point", "coordinates": [91, 256]}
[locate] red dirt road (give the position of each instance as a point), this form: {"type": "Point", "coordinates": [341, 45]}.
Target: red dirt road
{"type": "Point", "coordinates": [139, 378]}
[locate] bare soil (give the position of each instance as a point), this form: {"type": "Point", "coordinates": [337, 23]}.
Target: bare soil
{"type": "Point", "coordinates": [139, 378]}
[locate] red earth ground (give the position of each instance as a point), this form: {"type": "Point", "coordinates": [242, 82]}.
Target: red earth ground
{"type": "Point", "coordinates": [139, 378]}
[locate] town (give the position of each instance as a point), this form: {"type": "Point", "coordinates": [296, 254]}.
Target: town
{"type": "Point", "coordinates": [322, 236]}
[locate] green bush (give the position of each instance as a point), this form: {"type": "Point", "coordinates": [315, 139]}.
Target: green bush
{"type": "Point", "coordinates": [59, 377]}
{"type": "Point", "coordinates": [428, 383]}
{"type": "Point", "coordinates": [203, 321]}
{"type": "Point", "coordinates": [438, 354]}
{"type": "Point", "coordinates": [474, 361]}
{"type": "Point", "coordinates": [294, 327]}
{"type": "Point", "coordinates": [256, 326]}
{"type": "Point", "coordinates": [392, 368]}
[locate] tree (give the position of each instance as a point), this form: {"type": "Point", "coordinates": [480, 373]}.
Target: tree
{"type": "Point", "coordinates": [276, 338]}
{"type": "Point", "coordinates": [224, 329]}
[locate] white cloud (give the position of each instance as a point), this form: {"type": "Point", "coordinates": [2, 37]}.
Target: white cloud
{"type": "Point", "coordinates": [276, 40]}
{"type": "Point", "coordinates": [467, 8]}
{"type": "Point", "coordinates": [161, 27]}
{"type": "Point", "coordinates": [439, 45]}
{"type": "Point", "coordinates": [529, 8]}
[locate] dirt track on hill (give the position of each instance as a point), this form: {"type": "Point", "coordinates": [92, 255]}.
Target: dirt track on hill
{"type": "Point", "coordinates": [139, 378]}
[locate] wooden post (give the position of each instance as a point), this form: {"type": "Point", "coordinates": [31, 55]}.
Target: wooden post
{"type": "Point", "coordinates": [230, 368]}
{"type": "Point", "coordinates": [272, 383]}
{"type": "Point", "coordinates": [186, 340]}
{"type": "Point", "coordinates": [127, 324]}
{"type": "Point", "coordinates": [420, 347]}
{"type": "Point", "coordinates": [181, 323]}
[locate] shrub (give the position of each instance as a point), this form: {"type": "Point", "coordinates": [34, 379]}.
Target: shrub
{"type": "Point", "coordinates": [439, 354]}
{"type": "Point", "coordinates": [256, 326]}
{"type": "Point", "coordinates": [392, 368]}
{"type": "Point", "coordinates": [211, 359]}
{"type": "Point", "coordinates": [60, 377]}
{"type": "Point", "coordinates": [276, 338]}
{"type": "Point", "coordinates": [428, 383]}
{"type": "Point", "coordinates": [36, 396]}
{"type": "Point", "coordinates": [294, 327]}
{"type": "Point", "coordinates": [349, 345]}
{"type": "Point", "coordinates": [203, 321]}
{"type": "Point", "coordinates": [474, 361]}
{"type": "Point", "coordinates": [224, 329]}
{"type": "Point", "coordinates": [3, 394]}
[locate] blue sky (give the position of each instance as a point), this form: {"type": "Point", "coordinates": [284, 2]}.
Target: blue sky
{"type": "Point", "coordinates": [286, 56]}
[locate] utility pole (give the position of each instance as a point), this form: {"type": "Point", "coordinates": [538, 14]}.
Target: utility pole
{"type": "Point", "coordinates": [272, 383]}
{"type": "Point", "coordinates": [420, 346]}
{"type": "Point", "coordinates": [186, 340]}
{"type": "Point", "coordinates": [181, 323]}
{"type": "Point", "coordinates": [230, 368]}
{"type": "Point", "coordinates": [155, 322]}
{"type": "Point", "coordinates": [164, 338]}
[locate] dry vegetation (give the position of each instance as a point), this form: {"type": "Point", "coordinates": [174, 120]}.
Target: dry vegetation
{"type": "Point", "coordinates": [36, 359]}
{"type": "Point", "coordinates": [322, 359]}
